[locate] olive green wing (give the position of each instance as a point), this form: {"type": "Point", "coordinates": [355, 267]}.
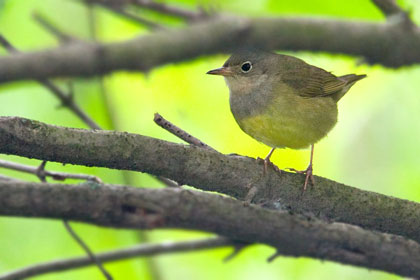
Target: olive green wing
{"type": "Point", "coordinates": [311, 81]}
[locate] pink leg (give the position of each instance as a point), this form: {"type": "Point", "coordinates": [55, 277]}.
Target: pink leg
{"type": "Point", "coordinates": [308, 172]}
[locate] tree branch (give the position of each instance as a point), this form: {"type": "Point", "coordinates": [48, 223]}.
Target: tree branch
{"type": "Point", "coordinates": [65, 98]}
{"type": "Point", "coordinates": [132, 252]}
{"type": "Point", "coordinates": [180, 133]}
{"type": "Point", "coordinates": [292, 235]}
{"type": "Point", "coordinates": [390, 9]}
{"type": "Point", "coordinates": [60, 176]}
{"type": "Point", "coordinates": [377, 43]}
{"type": "Point", "coordinates": [211, 171]}
{"type": "Point", "coordinates": [132, 17]}
{"type": "Point", "coordinates": [52, 29]}
{"type": "Point", "coordinates": [163, 8]}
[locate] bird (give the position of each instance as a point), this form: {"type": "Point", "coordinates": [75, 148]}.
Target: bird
{"type": "Point", "coordinates": [282, 101]}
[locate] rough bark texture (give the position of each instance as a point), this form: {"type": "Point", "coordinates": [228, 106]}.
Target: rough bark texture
{"type": "Point", "coordinates": [292, 235]}
{"type": "Point", "coordinates": [390, 45]}
{"type": "Point", "coordinates": [210, 171]}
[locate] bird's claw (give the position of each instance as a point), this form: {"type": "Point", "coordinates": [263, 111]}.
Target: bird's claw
{"type": "Point", "coordinates": [268, 162]}
{"type": "Point", "coordinates": [309, 175]}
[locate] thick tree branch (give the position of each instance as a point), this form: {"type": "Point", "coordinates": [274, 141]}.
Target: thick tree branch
{"type": "Point", "coordinates": [121, 254]}
{"type": "Point", "coordinates": [381, 43]}
{"type": "Point", "coordinates": [211, 171]}
{"type": "Point", "coordinates": [291, 235]}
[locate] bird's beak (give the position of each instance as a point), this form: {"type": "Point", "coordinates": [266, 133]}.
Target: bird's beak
{"type": "Point", "coordinates": [223, 71]}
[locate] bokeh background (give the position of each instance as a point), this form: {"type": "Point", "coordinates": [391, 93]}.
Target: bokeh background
{"type": "Point", "coordinates": [374, 146]}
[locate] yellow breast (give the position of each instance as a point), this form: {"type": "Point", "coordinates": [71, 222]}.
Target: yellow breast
{"type": "Point", "coordinates": [292, 121]}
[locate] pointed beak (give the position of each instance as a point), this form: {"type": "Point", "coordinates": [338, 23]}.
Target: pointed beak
{"type": "Point", "coordinates": [223, 71]}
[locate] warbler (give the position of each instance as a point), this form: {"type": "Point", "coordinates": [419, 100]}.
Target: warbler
{"type": "Point", "coordinates": [282, 101]}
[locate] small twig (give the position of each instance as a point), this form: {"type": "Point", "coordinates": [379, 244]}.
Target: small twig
{"type": "Point", "coordinates": [65, 98]}
{"type": "Point", "coordinates": [135, 18]}
{"type": "Point", "coordinates": [168, 182]}
{"type": "Point", "coordinates": [180, 133]}
{"type": "Point", "coordinates": [238, 247]}
{"type": "Point", "coordinates": [163, 8]}
{"type": "Point", "coordinates": [273, 257]}
{"type": "Point", "coordinates": [82, 244]}
{"type": "Point", "coordinates": [132, 252]}
{"type": "Point", "coordinates": [52, 29]}
{"type": "Point", "coordinates": [390, 9]}
{"type": "Point", "coordinates": [40, 172]}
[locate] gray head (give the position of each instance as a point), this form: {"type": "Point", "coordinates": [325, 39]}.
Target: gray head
{"type": "Point", "coordinates": [245, 70]}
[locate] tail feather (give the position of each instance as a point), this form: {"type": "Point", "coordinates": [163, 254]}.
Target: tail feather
{"type": "Point", "coordinates": [350, 80]}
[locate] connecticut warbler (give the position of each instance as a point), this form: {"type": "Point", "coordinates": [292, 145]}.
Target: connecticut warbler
{"type": "Point", "coordinates": [282, 101]}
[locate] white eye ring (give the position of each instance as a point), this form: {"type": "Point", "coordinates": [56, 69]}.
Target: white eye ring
{"type": "Point", "coordinates": [246, 66]}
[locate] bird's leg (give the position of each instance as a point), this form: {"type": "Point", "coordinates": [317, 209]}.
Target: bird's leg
{"type": "Point", "coordinates": [308, 172]}
{"type": "Point", "coordinates": [267, 161]}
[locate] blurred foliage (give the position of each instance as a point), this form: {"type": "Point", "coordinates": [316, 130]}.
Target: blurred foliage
{"type": "Point", "coordinates": [374, 145]}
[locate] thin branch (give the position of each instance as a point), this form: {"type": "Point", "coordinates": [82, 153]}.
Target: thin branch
{"type": "Point", "coordinates": [210, 171]}
{"type": "Point", "coordinates": [180, 133]}
{"type": "Point", "coordinates": [167, 9]}
{"type": "Point", "coordinates": [41, 175]}
{"type": "Point", "coordinates": [65, 98]}
{"type": "Point", "coordinates": [60, 176]}
{"type": "Point", "coordinates": [390, 9]}
{"type": "Point", "coordinates": [121, 254]}
{"type": "Point", "coordinates": [291, 234]}
{"type": "Point", "coordinates": [237, 248]}
{"type": "Point", "coordinates": [92, 257]}
{"type": "Point", "coordinates": [171, 10]}
{"type": "Point", "coordinates": [134, 18]}
{"type": "Point", "coordinates": [52, 29]}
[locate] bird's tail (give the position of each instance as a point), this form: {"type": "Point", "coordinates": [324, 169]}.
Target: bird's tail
{"type": "Point", "coordinates": [350, 80]}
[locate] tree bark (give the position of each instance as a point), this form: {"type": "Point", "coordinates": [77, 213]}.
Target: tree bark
{"type": "Point", "coordinates": [211, 171]}
{"type": "Point", "coordinates": [387, 44]}
{"type": "Point", "coordinates": [291, 235]}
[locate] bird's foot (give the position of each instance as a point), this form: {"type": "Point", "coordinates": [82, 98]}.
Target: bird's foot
{"type": "Point", "coordinates": [309, 175]}
{"type": "Point", "coordinates": [267, 162]}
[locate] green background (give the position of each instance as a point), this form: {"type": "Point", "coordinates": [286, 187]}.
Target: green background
{"type": "Point", "coordinates": [374, 146]}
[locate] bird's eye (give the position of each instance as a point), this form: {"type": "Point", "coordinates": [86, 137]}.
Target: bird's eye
{"type": "Point", "coordinates": [246, 66]}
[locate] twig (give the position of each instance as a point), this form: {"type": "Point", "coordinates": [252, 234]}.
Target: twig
{"type": "Point", "coordinates": [180, 133]}
{"type": "Point", "coordinates": [41, 172]}
{"type": "Point", "coordinates": [390, 9]}
{"type": "Point", "coordinates": [163, 8]}
{"type": "Point", "coordinates": [132, 252]}
{"type": "Point", "coordinates": [51, 28]}
{"type": "Point", "coordinates": [135, 18]}
{"type": "Point", "coordinates": [237, 248]}
{"type": "Point", "coordinates": [65, 98]}
{"type": "Point", "coordinates": [92, 257]}
{"type": "Point", "coordinates": [273, 256]}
